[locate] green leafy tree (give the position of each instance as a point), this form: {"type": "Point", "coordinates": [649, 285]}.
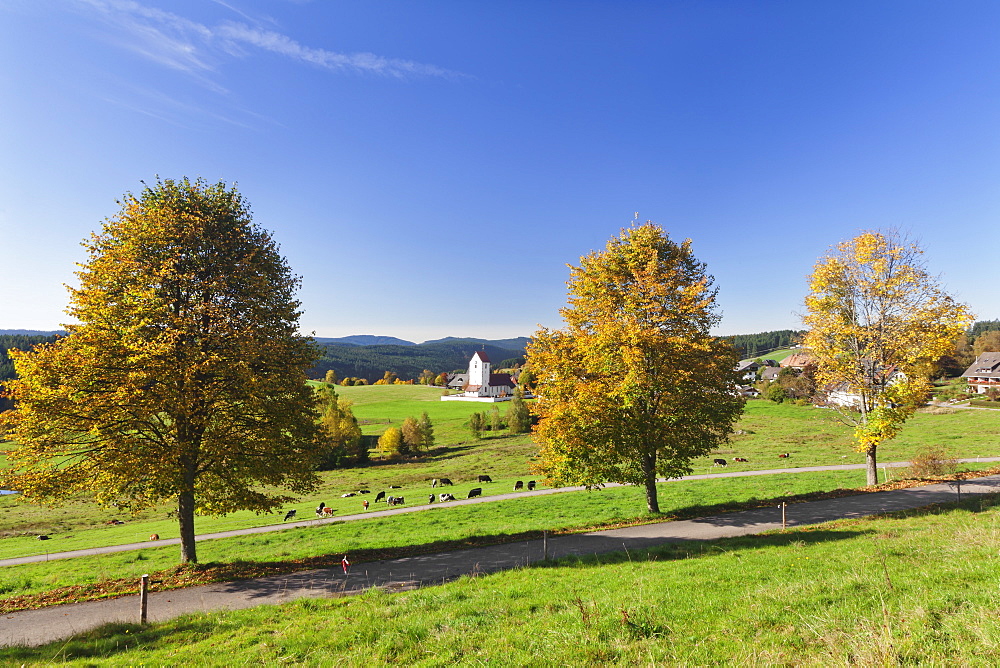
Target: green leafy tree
{"type": "Point", "coordinates": [477, 424]}
{"type": "Point", "coordinates": [634, 387]}
{"type": "Point", "coordinates": [518, 417]}
{"type": "Point", "coordinates": [775, 392]}
{"type": "Point", "coordinates": [426, 433]}
{"type": "Point", "coordinates": [183, 377]}
{"type": "Point", "coordinates": [873, 310]}
{"type": "Point", "coordinates": [495, 421]}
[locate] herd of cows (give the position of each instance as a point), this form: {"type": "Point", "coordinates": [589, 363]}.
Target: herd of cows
{"type": "Point", "coordinates": [324, 510]}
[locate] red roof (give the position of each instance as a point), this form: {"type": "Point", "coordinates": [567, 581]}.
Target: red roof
{"type": "Point", "coordinates": [482, 355]}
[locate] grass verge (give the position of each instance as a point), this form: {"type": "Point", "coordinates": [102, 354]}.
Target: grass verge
{"type": "Point", "coordinates": [917, 587]}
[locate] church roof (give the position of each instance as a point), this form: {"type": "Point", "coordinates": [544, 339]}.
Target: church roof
{"type": "Point", "coordinates": [482, 356]}
{"type": "Point", "coordinates": [501, 379]}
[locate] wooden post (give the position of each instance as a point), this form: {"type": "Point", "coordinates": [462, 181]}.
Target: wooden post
{"type": "Point", "coordinates": [143, 597]}
{"type": "Point", "coordinates": [545, 544]}
{"type": "Point", "coordinates": [784, 522]}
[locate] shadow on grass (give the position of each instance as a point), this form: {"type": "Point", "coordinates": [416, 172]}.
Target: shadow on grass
{"type": "Point", "coordinates": [589, 551]}
{"type": "Point", "coordinates": [108, 641]}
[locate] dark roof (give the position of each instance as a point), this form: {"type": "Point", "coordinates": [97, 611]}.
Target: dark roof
{"type": "Point", "coordinates": [986, 365]}
{"type": "Point", "coordinates": [482, 355]}
{"type": "Point", "coordinates": [501, 379]}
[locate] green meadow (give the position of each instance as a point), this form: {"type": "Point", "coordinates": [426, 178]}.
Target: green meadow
{"type": "Point", "coordinates": [917, 588]}
{"type": "Point", "coordinates": [811, 436]}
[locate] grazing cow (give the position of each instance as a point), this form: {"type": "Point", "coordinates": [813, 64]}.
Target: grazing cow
{"type": "Point", "coordinates": [43, 537]}
{"type": "Point", "coordinates": [518, 485]}
{"type": "Point", "coordinates": [445, 481]}
{"type": "Point", "coordinates": [289, 515]}
{"type": "Point", "coordinates": [379, 496]}
{"type": "Point", "coordinates": [475, 491]}
{"type": "Point", "coordinates": [434, 483]}
{"type": "Point", "coordinates": [319, 509]}
{"type": "Point", "coordinates": [395, 487]}
{"type": "Point", "coordinates": [154, 536]}
{"type": "Point", "coordinates": [447, 497]}
{"type": "Point", "coordinates": [784, 455]}
{"type": "Point", "coordinates": [740, 459]}
{"type": "Point", "coordinates": [485, 478]}
{"type": "Point", "coordinates": [348, 495]}
{"type": "Point", "coordinates": [531, 485]}
{"type": "Point", "coordinates": [364, 491]}
{"type": "Point", "coordinates": [430, 499]}
{"type": "Point", "coordinates": [328, 512]}
{"type": "Point", "coordinates": [365, 504]}
{"type": "Point", "coordinates": [396, 500]}
{"type": "Point", "coordinates": [719, 462]}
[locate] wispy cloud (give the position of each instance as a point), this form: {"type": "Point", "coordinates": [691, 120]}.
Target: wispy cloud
{"type": "Point", "coordinates": [195, 48]}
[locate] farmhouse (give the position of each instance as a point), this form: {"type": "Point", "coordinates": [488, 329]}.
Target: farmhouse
{"type": "Point", "coordinates": [797, 361]}
{"type": "Point", "coordinates": [844, 396]}
{"type": "Point", "coordinates": [983, 374]}
{"type": "Point", "coordinates": [481, 384]}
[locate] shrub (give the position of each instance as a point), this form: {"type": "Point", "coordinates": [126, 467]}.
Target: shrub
{"type": "Point", "coordinates": [932, 460]}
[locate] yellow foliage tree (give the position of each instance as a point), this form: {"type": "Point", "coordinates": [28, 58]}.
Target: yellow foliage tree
{"type": "Point", "coordinates": [390, 443]}
{"type": "Point", "coordinates": [634, 387]}
{"type": "Point", "coordinates": [340, 429]}
{"type": "Point", "coordinates": [877, 324]}
{"type": "Point", "coordinates": [183, 377]}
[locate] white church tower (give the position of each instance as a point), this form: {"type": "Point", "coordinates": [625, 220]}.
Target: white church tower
{"type": "Point", "coordinates": [479, 370]}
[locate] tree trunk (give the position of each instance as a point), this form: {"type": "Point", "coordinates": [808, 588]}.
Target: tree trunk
{"type": "Point", "coordinates": [871, 468]}
{"type": "Point", "coordinates": [185, 517]}
{"type": "Point", "coordinates": [649, 478]}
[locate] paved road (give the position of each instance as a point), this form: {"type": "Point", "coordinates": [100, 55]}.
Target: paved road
{"type": "Point", "coordinates": [35, 627]}
{"type": "Point", "coordinates": [108, 549]}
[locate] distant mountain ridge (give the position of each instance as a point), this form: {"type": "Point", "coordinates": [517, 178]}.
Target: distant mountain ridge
{"type": "Point", "coordinates": [365, 340]}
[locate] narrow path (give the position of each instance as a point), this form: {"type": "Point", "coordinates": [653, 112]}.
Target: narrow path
{"type": "Point", "coordinates": [36, 627]}
{"type": "Point", "coordinates": [145, 545]}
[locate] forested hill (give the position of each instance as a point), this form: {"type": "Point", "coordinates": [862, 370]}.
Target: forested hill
{"type": "Point", "coordinates": [758, 345]}
{"type": "Point", "coordinates": [408, 362]}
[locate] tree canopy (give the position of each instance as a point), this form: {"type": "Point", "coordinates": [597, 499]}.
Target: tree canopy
{"type": "Point", "coordinates": [878, 322]}
{"type": "Point", "coordinates": [634, 387]}
{"type": "Point", "coordinates": [183, 377]}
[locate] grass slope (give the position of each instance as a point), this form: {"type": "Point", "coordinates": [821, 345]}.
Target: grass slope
{"type": "Point", "coordinates": [913, 589]}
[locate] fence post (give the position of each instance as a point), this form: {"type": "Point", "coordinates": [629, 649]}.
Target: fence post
{"type": "Point", "coordinates": [545, 545]}
{"type": "Point", "coordinates": [784, 522]}
{"type": "Point", "coordinates": [143, 597]}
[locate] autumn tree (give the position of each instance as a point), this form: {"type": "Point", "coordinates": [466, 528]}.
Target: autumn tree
{"type": "Point", "coordinates": [331, 377]}
{"type": "Point", "coordinates": [634, 387]}
{"type": "Point", "coordinates": [183, 375]}
{"type": "Point", "coordinates": [390, 443]}
{"type": "Point", "coordinates": [987, 342]}
{"type": "Point", "coordinates": [341, 432]}
{"type": "Point", "coordinates": [878, 321]}
{"type": "Point", "coordinates": [412, 440]}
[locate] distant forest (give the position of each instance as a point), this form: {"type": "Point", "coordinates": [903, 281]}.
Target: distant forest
{"type": "Point", "coordinates": [758, 345]}
{"type": "Point", "coordinates": [408, 362]}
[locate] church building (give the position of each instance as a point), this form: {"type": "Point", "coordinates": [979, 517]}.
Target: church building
{"type": "Point", "coordinates": [483, 385]}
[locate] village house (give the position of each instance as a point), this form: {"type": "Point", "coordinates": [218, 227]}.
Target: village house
{"type": "Point", "coordinates": [983, 374]}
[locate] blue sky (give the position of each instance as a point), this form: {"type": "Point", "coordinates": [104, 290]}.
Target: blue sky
{"type": "Point", "coordinates": [430, 168]}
